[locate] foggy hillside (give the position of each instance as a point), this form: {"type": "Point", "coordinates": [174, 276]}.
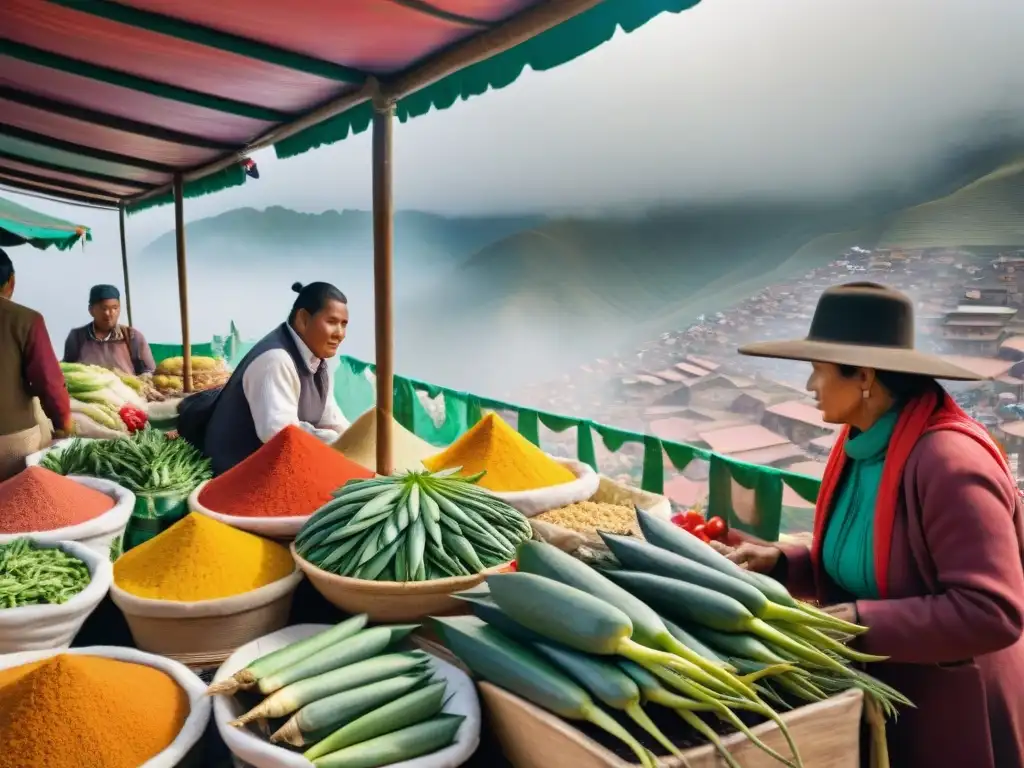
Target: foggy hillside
{"type": "Point", "coordinates": [492, 303]}
{"type": "Point", "coordinates": [338, 241]}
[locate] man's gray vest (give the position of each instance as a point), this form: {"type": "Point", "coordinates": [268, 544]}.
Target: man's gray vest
{"type": "Point", "coordinates": [231, 433]}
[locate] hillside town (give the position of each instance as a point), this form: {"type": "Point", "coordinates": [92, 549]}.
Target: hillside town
{"type": "Point", "coordinates": [691, 386]}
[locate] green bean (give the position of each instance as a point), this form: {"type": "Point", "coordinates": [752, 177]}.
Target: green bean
{"type": "Point", "coordinates": [32, 575]}
{"type": "Point", "coordinates": [145, 462]}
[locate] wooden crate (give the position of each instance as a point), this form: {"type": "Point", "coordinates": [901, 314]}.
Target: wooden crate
{"type": "Point", "coordinates": [827, 734]}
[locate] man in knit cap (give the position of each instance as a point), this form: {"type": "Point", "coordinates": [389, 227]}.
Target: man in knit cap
{"type": "Point", "coordinates": [105, 343]}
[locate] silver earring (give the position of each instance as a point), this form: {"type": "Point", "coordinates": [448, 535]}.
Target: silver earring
{"type": "Point", "coordinates": [865, 394]}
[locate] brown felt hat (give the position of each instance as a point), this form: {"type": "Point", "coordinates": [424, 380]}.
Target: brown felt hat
{"type": "Point", "coordinates": [866, 325]}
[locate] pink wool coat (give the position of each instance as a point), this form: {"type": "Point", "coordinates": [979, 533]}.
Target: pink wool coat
{"type": "Point", "coordinates": [953, 621]}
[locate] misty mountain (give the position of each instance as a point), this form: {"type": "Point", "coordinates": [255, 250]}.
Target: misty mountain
{"type": "Point", "coordinates": [340, 242]}
{"type": "Point", "coordinates": [595, 286]}
{"type": "Point", "coordinates": [491, 303]}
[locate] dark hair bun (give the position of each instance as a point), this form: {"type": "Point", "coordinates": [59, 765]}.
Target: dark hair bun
{"type": "Point", "coordinates": [297, 287]}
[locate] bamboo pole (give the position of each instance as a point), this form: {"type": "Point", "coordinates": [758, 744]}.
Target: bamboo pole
{"type": "Point", "coordinates": [179, 239]}
{"type": "Point", "coordinates": [383, 227]}
{"type": "Point", "coordinates": [124, 266]}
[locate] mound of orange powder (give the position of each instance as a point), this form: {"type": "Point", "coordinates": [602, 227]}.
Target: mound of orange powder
{"type": "Point", "coordinates": [291, 475]}
{"type": "Point", "coordinates": [40, 500]}
{"type": "Point", "coordinates": [81, 711]}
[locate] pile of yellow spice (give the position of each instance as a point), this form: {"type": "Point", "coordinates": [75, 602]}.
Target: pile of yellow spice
{"type": "Point", "coordinates": [199, 558]}
{"type": "Point", "coordinates": [511, 462]}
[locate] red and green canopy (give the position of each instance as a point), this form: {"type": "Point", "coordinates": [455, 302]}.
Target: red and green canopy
{"type": "Point", "coordinates": [104, 102]}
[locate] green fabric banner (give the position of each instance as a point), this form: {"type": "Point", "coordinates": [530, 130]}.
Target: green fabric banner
{"type": "Point", "coordinates": [747, 496]}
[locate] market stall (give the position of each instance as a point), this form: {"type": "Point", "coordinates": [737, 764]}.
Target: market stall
{"type": "Point", "coordinates": [638, 647]}
{"type": "Point", "coordinates": [204, 586]}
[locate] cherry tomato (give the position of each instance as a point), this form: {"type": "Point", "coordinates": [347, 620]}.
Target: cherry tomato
{"type": "Point", "coordinates": [704, 537]}
{"type": "Point", "coordinates": [715, 527]}
{"type": "Point", "coordinates": [699, 530]}
{"type": "Point", "coordinates": [513, 566]}
{"type": "Point", "coordinates": [679, 520]}
{"type": "Point", "coordinates": [693, 517]}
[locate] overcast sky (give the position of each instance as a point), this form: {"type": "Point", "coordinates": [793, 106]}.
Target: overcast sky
{"type": "Point", "coordinates": [731, 98]}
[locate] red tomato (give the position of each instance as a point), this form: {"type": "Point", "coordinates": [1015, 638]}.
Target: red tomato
{"type": "Point", "coordinates": [513, 566]}
{"type": "Point", "coordinates": [715, 527]}
{"type": "Point", "coordinates": [679, 520]}
{"type": "Point", "coordinates": [704, 537]}
{"type": "Point", "coordinates": [699, 530]}
{"type": "Point", "coordinates": [693, 517]}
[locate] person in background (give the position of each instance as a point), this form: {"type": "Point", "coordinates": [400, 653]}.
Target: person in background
{"type": "Point", "coordinates": [284, 380]}
{"type": "Point", "coordinates": [105, 343]}
{"type": "Point", "coordinates": [918, 533]}
{"type": "Point", "coordinates": [28, 369]}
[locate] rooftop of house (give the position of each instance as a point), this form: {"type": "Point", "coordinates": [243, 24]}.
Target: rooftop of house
{"type": "Point", "coordinates": [800, 411]}
{"type": "Point", "coordinates": [732, 440]}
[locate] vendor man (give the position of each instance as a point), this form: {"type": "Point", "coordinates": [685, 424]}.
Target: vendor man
{"type": "Point", "coordinates": [28, 369]}
{"type": "Point", "coordinates": [284, 380]}
{"type": "Point", "coordinates": [105, 343]}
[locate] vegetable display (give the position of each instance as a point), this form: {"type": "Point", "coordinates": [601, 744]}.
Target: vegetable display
{"type": "Point", "coordinates": [692, 521]}
{"type": "Point", "coordinates": [347, 697]}
{"type": "Point", "coordinates": [146, 462]}
{"type": "Point", "coordinates": [671, 624]}
{"type": "Point", "coordinates": [415, 526]}
{"type": "Point", "coordinates": [99, 395]}
{"type": "Point", "coordinates": [207, 373]}
{"type": "Point", "coordinates": [33, 575]}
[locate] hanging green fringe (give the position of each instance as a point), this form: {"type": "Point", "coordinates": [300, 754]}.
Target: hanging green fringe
{"type": "Point", "coordinates": [233, 176]}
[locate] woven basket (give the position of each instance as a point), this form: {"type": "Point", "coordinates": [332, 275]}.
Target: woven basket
{"type": "Point", "coordinates": [206, 632]}
{"type": "Point", "coordinates": [392, 601]}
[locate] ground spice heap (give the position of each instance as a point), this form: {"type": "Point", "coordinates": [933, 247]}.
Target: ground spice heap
{"type": "Point", "coordinates": [359, 443]}
{"type": "Point", "coordinates": [79, 711]}
{"type": "Point", "coordinates": [199, 558]}
{"type": "Point", "coordinates": [589, 517]}
{"type": "Point", "coordinates": [40, 500]}
{"type": "Point", "coordinates": [511, 461]}
{"type": "Point", "coordinates": [291, 475]}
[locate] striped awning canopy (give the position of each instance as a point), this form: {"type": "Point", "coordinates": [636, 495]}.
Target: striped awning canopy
{"type": "Point", "coordinates": [103, 102]}
{"type": "Point", "coordinates": [23, 226]}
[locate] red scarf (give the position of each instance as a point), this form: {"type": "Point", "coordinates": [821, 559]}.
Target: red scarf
{"type": "Point", "coordinates": [927, 413]}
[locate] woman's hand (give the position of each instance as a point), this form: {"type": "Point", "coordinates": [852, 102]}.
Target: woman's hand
{"type": "Point", "coordinates": [760, 558]}
{"type": "Point", "coordinates": [844, 611]}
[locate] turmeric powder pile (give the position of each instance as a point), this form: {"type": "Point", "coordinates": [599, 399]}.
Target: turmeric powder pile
{"type": "Point", "coordinates": [199, 558]}
{"type": "Point", "coordinates": [512, 462]}
{"type": "Point", "coordinates": [79, 711]}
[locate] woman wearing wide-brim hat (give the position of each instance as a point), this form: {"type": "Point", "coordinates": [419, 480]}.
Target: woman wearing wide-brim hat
{"type": "Point", "coordinates": [918, 533]}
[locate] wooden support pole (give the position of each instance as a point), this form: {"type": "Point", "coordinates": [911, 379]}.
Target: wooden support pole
{"type": "Point", "coordinates": [124, 267]}
{"type": "Point", "coordinates": [383, 225]}
{"type": "Point", "coordinates": [179, 239]}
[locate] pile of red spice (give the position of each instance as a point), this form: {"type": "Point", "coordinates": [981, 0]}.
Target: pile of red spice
{"type": "Point", "coordinates": [291, 475]}
{"type": "Point", "coordinates": [40, 500]}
